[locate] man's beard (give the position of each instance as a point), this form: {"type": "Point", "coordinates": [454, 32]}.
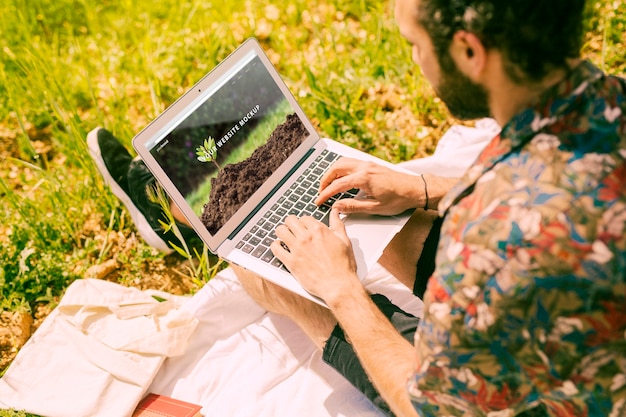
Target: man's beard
{"type": "Point", "coordinates": [464, 98]}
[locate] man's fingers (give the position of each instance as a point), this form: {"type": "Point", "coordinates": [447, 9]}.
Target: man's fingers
{"type": "Point", "coordinates": [340, 177]}
{"type": "Point", "coordinates": [340, 185]}
{"type": "Point", "coordinates": [294, 224]}
{"type": "Point", "coordinates": [283, 232]}
{"type": "Point", "coordinates": [335, 223]}
{"type": "Point", "coordinates": [342, 167]}
{"type": "Point", "coordinates": [338, 227]}
{"type": "Point", "coordinates": [280, 250]}
{"type": "Point", "coordinates": [353, 205]}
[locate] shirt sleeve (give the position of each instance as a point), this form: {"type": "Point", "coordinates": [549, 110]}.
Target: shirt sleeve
{"type": "Point", "coordinates": [526, 306]}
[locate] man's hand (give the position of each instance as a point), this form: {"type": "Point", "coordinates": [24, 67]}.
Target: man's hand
{"type": "Point", "coordinates": [322, 260]}
{"type": "Point", "coordinates": [388, 192]}
{"type": "Point", "coordinates": [320, 257]}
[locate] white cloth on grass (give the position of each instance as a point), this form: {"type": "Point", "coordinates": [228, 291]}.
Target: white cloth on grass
{"type": "Point", "coordinates": [97, 352]}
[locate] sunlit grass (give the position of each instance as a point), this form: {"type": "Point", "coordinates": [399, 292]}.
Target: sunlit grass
{"type": "Point", "coordinates": [67, 66]}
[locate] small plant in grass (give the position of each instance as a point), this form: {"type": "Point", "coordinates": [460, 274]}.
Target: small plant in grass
{"type": "Point", "coordinates": [208, 152]}
{"type": "Point", "coordinates": [199, 264]}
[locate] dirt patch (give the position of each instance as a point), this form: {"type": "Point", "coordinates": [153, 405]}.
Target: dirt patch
{"type": "Point", "coordinates": [236, 183]}
{"type": "Point", "coordinates": [15, 329]}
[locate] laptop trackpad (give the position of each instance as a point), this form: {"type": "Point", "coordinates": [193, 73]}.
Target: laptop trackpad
{"type": "Point", "coordinates": [370, 235]}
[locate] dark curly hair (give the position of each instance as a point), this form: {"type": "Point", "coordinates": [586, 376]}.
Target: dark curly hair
{"type": "Point", "coordinates": [534, 36]}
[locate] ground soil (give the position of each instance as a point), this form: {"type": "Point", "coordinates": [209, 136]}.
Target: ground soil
{"type": "Point", "coordinates": [236, 183]}
{"type": "Point", "coordinates": [15, 329]}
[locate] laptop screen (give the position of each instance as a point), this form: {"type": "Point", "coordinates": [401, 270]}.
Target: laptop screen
{"type": "Point", "coordinates": [230, 140]}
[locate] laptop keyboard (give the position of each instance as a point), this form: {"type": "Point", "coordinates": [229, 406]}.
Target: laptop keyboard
{"type": "Point", "coordinates": [298, 200]}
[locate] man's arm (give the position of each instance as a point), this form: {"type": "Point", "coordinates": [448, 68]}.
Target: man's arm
{"type": "Point", "coordinates": [436, 187]}
{"type": "Point", "coordinates": [321, 258]}
{"type": "Point", "coordinates": [388, 191]}
{"type": "Point", "coordinates": [386, 356]}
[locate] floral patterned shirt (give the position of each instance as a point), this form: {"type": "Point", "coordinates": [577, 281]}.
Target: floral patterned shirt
{"type": "Point", "coordinates": [527, 306]}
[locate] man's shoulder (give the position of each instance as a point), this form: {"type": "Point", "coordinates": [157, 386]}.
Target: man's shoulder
{"type": "Point", "coordinates": [595, 123]}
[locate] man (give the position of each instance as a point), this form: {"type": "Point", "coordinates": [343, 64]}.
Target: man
{"type": "Point", "coordinates": [525, 311]}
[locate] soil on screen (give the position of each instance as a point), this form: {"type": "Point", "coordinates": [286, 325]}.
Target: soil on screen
{"type": "Point", "coordinates": [236, 183]}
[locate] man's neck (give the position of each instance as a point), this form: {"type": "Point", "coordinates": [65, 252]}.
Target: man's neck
{"type": "Point", "coordinates": [508, 98]}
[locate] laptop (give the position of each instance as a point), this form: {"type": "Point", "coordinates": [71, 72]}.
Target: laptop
{"type": "Point", "coordinates": [237, 154]}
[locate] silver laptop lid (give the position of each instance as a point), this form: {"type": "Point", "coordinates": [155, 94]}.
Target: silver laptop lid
{"type": "Point", "coordinates": [221, 148]}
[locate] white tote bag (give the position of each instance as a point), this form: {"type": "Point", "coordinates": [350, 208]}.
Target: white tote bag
{"type": "Point", "coordinates": [97, 352]}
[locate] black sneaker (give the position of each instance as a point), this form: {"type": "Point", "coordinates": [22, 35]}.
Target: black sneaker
{"type": "Point", "coordinates": [128, 179]}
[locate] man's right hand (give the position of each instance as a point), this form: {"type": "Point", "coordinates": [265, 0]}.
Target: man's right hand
{"type": "Point", "coordinates": [388, 192]}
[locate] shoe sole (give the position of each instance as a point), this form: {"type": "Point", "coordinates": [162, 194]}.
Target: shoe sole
{"type": "Point", "coordinates": [141, 223]}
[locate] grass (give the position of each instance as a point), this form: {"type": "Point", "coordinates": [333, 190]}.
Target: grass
{"type": "Point", "coordinates": [67, 66]}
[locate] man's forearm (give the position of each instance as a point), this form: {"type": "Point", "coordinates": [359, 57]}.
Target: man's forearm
{"type": "Point", "coordinates": [435, 187]}
{"type": "Point", "coordinates": [385, 355]}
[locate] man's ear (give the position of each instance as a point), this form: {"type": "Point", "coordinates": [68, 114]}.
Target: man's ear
{"type": "Point", "coordinates": [469, 53]}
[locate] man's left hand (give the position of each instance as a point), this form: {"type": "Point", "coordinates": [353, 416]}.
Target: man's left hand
{"type": "Point", "coordinates": [320, 257]}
